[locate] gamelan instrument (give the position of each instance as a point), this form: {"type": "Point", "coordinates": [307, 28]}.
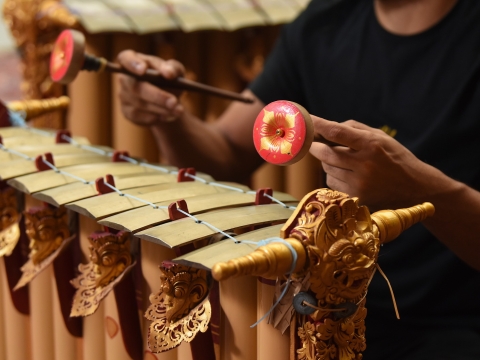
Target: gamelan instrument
{"type": "Point", "coordinates": [69, 57]}
{"type": "Point", "coordinates": [91, 238]}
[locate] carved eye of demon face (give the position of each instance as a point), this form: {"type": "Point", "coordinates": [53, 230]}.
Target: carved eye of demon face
{"type": "Point", "coordinates": [180, 290]}
{"type": "Point", "coordinates": [109, 258]}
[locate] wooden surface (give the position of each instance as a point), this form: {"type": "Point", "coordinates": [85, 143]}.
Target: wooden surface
{"type": "Point", "coordinates": [21, 167]}
{"type": "Point", "coordinates": [143, 217]}
{"type": "Point", "coordinates": [55, 149]}
{"type": "Point", "coordinates": [62, 195]}
{"type": "Point", "coordinates": [36, 139]}
{"type": "Point", "coordinates": [186, 230]}
{"type": "Point", "coordinates": [109, 204]}
{"type": "Point", "coordinates": [49, 179]}
{"type": "Point", "coordinates": [18, 131]}
{"type": "Point", "coordinates": [222, 251]}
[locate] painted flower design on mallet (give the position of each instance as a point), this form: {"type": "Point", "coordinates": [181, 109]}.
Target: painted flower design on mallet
{"type": "Point", "coordinates": [277, 132]}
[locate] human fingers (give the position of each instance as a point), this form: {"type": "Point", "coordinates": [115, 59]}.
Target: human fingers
{"type": "Point", "coordinates": [338, 173]}
{"type": "Point", "coordinates": [143, 105]}
{"type": "Point", "coordinates": [146, 117]}
{"type": "Point", "coordinates": [338, 156]}
{"type": "Point", "coordinates": [138, 63]}
{"type": "Point", "coordinates": [169, 69]}
{"type": "Point", "coordinates": [339, 133]}
{"type": "Point", "coordinates": [337, 184]}
{"type": "Point", "coordinates": [141, 93]}
{"type": "Point", "coordinates": [361, 126]}
{"type": "Point", "coordinates": [132, 61]}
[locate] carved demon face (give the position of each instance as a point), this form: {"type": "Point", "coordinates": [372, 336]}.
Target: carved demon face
{"type": "Point", "coordinates": [8, 208]}
{"type": "Point", "coordinates": [46, 229]}
{"type": "Point", "coordinates": [342, 244]}
{"type": "Point", "coordinates": [183, 289]}
{"type": "Point", "coordinates": [346, 260]}
{"type": "Point", "coordinates": [110, 254]}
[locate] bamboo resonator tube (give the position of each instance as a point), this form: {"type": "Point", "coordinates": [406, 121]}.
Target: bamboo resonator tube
{"type": "Point", "coordinates": [68, 58]}
{"type": "Point", "coordinates": [275, 259]}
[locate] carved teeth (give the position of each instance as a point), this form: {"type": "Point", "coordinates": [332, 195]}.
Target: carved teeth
{"type": "Point", "coordinates": [353, 278]}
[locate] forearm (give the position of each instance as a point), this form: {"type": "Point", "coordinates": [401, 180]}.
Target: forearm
{"type": "Point", "coordinates": [455, 223]}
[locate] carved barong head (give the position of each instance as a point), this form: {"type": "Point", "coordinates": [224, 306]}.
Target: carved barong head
{"type": "Point", "coordinates": [46, 228]}
{"type": "Point", "coordinates": [342, 245]}
{"type": "Point", "coordinates": [110, 254]}
{"type": "Point", "coordinates": [337, 244]}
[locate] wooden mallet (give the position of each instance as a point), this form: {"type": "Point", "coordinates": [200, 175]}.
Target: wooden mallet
{"type": "Point", "coordinates": [283, 133]}
{"type": "Point", "coordinates": [69, 58]}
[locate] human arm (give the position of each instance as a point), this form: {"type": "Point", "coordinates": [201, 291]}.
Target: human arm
{"type": "Point", "coordinates": [385, 175]}
{"type": "Point", "coordinates": [223, 149]}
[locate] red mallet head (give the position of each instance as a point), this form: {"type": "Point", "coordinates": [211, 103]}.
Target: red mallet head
{"type": "Point", "coordinates": [283, 132]}
{"type": "Point", "coordinates": [68, 56]}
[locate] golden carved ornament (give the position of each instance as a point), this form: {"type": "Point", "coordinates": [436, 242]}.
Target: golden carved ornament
{"type": "Point", "coordinates": [35, 25]}
{"type": "Point", "coordinates": [180, 310]}
{"type": "Point", "coordinates": [110, 260]}
{"type": "Point", "coordinates": [48, 231]}
{"type": "Point", "coordinates": [337, 242]}
{"type": "Point", "coordinates": [46, 228]}
{"type": "Point", "coordinates": [34, 108]}
{"type": "Point", "coordinates": [9, 220]}
{"type": "Point", "coordinates": [110, 254]}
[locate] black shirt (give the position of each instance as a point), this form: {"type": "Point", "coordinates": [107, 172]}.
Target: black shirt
{"type": "Point", "coordinates": [339, 63]}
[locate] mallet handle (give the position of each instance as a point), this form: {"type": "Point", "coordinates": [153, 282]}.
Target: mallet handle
{"type": "Point", "coordinates": [153, 77]}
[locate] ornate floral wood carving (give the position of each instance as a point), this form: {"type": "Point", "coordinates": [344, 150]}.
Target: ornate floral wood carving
{"type": "Point", "coordinates": [110, 260]}
{"type": "Point", "coordinates": [342, 245]}
{"type": "Point", "coordinates": [180, 309]}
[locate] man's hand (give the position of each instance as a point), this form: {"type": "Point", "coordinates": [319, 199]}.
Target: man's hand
{"type": "Point", "coordinates": [143, 103]}
{"type": "Point", "coordinates": [371, 165]}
